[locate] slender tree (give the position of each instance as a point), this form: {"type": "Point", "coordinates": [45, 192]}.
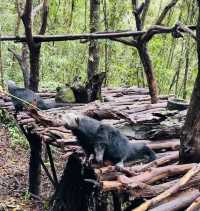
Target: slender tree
{"type": "Point", "coordinates": [23, 57]}
{"type": "Point", "coordinates": [93, 60]}
{"type": "Point", "coordinates": [190, 136]}
{"type": "Point", "coordinates": [106, 49]}
{"type": "Point", "coordinates": [141, 43]}
{"type": "Point", "coordinates": [34, 48]}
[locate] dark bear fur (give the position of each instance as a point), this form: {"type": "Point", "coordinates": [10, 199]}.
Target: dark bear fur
{"type": "Point", "coordinates": [86, 132]}
{"type": "Point", "coordinates": [111, 145]}
{"type": "Point", "coordinates": [105, 141]}
{"type": "Point", "coordinates": [26, 95]}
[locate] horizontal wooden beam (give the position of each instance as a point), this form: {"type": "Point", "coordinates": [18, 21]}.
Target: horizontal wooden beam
{"type": "Point", "coordinates": [66, 37]}
{"type": "Point", "coordinates": [86, 36]}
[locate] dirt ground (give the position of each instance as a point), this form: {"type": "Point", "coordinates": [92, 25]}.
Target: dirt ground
{"type": "Point", "coordinates": [14, 178]}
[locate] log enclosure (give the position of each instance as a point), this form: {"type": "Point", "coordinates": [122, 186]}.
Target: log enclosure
{"type": "Point", "coordinates": [159, 185]}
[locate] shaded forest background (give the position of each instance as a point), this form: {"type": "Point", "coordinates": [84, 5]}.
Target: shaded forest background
{"type": "Point", "coordinates": [174, 59]}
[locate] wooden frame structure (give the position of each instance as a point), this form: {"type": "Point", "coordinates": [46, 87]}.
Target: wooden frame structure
{"type": "Point", "coordinates": [112, 185]}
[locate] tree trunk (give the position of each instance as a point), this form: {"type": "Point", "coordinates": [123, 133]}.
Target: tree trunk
{"type": "Point", "coordinates": [93, 60]}
{"type": "Point", "coordinates": [25, 65]}
{"type": "Point", "coordinates": [186, 71]}
{"type": "Point", "coordinates": [34, 47]}
{"type": "Point", "coordinates": [22, 59]}
{"type": "Point", "coordinates": [106, 45]}
{"type": "Point", "coordinates": [148, 69]}
{"type": "Point", "coordinates": [34, 67]}
{"type": "Point", "coordinates": [78, 188]}
{"type": "Point", "coordinates": [190, 136]}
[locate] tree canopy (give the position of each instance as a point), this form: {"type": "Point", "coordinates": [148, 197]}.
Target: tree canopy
{"type": "Point", "coordinates": [174, 62]}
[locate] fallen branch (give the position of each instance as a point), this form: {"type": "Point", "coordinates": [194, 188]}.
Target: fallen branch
{"type": "Point", "coordinates": [150, 191]}
{"type": "Point", "coordinates": [111, 172]}
{"type": "Point", "coordinates": [174, 189]}
{"type": "Point", "coordinates": [155, 174]}
{"type": "Point", "coordinates": [178, 202]}
{"type": "Point", "coordinates": [158, 162]}
{"type": "Point", "coordinates": [170, 145]}
{"type": "Point", "coordinates": [195, 205]}
{"type": "Point", "coordinates": [148, 177]}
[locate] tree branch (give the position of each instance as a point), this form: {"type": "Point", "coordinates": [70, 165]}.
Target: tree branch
{"type": "Point", "coordinates": [176, 31]}
{"type": "Point", "coordinates": [65, 37]}
{"type": "Point", "coordinates": [35, 11]}
{"type": "Point", "coordinates": [186, 29]}
{"type": "Point", "coordinates": [137, 10]}
{"type": "Point", "coordinates": [144, 13]}
{"type": "Point", "coordinates": [155, 30]}
{"type": "Point", "coordinates": [17, 56]}
{"type": "Point", "coordinates": [172, 190]}
{"type": "Point", "coordinates": [131, 43]}
{"type": "Point", "coordinates": [44, 17]}
{"type": "Point", "coordinates": [165, 11]}
{"type": "Point", "coordinates": [19, 8]}
{"type": "Point", "coordinates": [97, 35]}
{"type": "Point", "coordinates": [26, 19]}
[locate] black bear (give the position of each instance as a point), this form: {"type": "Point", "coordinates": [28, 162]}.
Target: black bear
{"type": "Point", "coordinates": [84, 128]}
{"type": "Point", "coordinates": [104, 141]}
{"type": "Point", "coordinates": [111, 145]}
{"type": "Point", "coordinates": [26, 95]}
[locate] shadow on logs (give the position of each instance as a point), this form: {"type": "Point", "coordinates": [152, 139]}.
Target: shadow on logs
{"type": "Point", "coordinates": [78, 188]}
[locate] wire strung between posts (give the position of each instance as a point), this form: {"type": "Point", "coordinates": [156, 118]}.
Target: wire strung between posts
{"type": "Point", "coordinates": [24, 101]}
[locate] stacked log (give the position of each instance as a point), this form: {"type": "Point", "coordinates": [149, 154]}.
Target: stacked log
{"type": "Point", "coordinates": [158, 185]}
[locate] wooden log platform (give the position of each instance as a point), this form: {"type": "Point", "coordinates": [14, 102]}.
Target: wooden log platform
{"type": "Point", "coordinates": [161, 184]}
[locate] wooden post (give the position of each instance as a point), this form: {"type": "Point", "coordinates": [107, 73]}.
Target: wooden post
{"type": "Point", "coordinates": [35, 143]}
{"type": "Point", "coordinates": [77, 188]}
{"type": "Point", "coordinates": [35, 164]}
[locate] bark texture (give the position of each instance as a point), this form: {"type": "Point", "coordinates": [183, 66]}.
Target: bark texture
{"type": "Point", "coordinates": [190, 136]}
{"type": "Point", "coordinates": [34, 47]}
{"type": "Point", "coordinates": [93, 60]}
{"type": "Point", "coordinates": [148, 69]}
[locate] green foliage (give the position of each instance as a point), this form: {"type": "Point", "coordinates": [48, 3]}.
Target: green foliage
{"type": "Point", "coordinates": [45, 204]}
{"type": "Point", "coordinates": [26, 195]}
{"type": "Point", "coordinates": [64, 95]}
{"type": "Point", "coordinates": [17, 139]}
{"type": "Point", "coordinates": [62, 61]}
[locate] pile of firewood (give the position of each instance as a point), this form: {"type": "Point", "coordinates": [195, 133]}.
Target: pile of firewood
{"type": "Point", "coordinates": [162, 184]}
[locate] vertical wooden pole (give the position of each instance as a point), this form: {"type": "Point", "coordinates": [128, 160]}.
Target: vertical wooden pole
{"type": "Point", "coordinates": [34, 163]}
